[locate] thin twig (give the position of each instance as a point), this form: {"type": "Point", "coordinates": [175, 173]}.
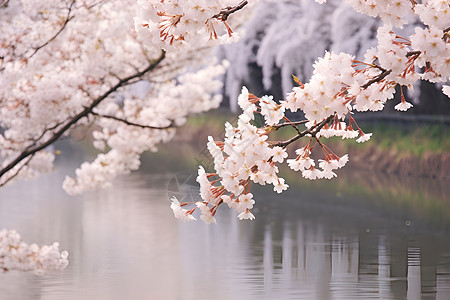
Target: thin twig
{"type": "Point", "coordinates": [131, 123]}
{"type": "Point", "coordinates": [67, 20]}
{"type": "Point", "coordinates": [412, 53]}
{"type": "Point", "coordinates": [378, 78]}
{"type": "Point", "coordinates": [17, 172]}
{"type": "Point", "coordinates": [288, 124]}
{"type": "Point", "coordinates": [312, 131]}
{"type": "Point", "coordinates": [227, 11]}
{"type": "Point", "coordinates": [3, 3]}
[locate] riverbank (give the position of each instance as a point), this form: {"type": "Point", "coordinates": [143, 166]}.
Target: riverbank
{"type": "Point", "coordinates": [408, 150]}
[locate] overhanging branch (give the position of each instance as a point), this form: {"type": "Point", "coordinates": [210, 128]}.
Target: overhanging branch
{"type": "Point", "coordinates": [35, 147]}
{"type": "Point", "coordinates": [130, 123]}
{"type": "Point", "coordinates": [312, 131]}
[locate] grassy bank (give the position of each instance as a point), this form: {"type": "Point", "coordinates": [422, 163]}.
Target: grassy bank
{"type": "Point", "coordinates": [407, 149]}
{"type": "Point", "coordinates": [413, 139]}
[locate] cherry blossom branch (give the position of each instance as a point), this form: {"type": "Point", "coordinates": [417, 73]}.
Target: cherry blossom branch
{"type": "Point", "coordinates": [95, 4]}
{"type": "Point", "coordinates": [130, 123]}
{"type": "Point", "coordinates": [227, 11]}
{"type": "Point", "coordinates": [66, 21]}
{"type": "Point", "coordinates": [30, 150]}
{"type": "Point", "coordinates": [17, 172]}
{"type": "Point", "coordinates": [47, 130]}
{"type": "Point", "coordinates": [278, 126]}
{"type": "Point", "coordinates": [377, 78]}
{"type": "Point", "coordinates": [412, 53]}
{"type": "Point", "coordinates": [312, 131]}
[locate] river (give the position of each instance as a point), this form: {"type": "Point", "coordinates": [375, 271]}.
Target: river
{"type": "Point", "coordinates": [361, 236]}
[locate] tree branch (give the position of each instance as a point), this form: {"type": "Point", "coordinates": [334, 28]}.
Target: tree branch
{"type": "Point", "coordinates": [67, 20]}
{"type": "Point", "coordinates": [130, 123]}
{"type": "Point", "coordinates": [377, 78]}
{"type": "Point", "coordinates": [30, 150]}
{"type": "Point", "coordinates": [227, 11]}
{"type": "Point", "coordinates": [278, 126]}
{"type": "Point", "coordinates": [3, 3]}
{"type": "Point", "coordinates": [412, 53]}
{"type": "Point", "coordinates": [312, 131]}
{"type": "Point", "coordinates": [17, 172]}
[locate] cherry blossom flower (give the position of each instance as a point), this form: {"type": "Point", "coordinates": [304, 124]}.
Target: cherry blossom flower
{"type": "Point", "coordinates": [312, 173]}
{"type": "Point", "coordinates": [206, 214]}
{"type": "Point", "coordinates": [177, 25]}
{"type": "Point", "coordinates": [364, 137]}
{"type": "Point", "coordinates": [279, 154]}
{"type": "Point", "coordinates": [446, 90]}
{"type": "Point", "coordinates": [247, 215]}
{"type": "Point", "coordinates": [246, 202]}
{"type": "Point", "coordinates": [403, 106]}
{"type": "Point", "coordinates": [181, 213]}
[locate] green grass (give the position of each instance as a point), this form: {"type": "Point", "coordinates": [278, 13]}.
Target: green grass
{"type": "Point", "coordinates": [412, 140]}
{"type": "Point", "coordinates": [214, 119]}
{"type": "Point", "coordinates": [402, 139]}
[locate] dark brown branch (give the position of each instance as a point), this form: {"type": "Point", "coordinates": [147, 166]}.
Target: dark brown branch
{"type": "Point", "coordinates": [47, 130]}
{"type": "Point", "coordinates": [17, 172]}
{"type": "Point", "coordinates": [95, 4]}
{"type": "Point", "coordinates": [312, 131]}
{"type": "Point", "coordinates": [66, 21]}
{"type": "Point", "coordinates": [377, 78]}
{"type": "Point", "coordinates": [412, 53]}
{"type": "Point", "coordinates": [30, 150]}
{"type": "Point", "coordinates": [130, 123]}
{"type": "Point", "coordinates": [227, 11]}
{"type": "Point", "coordinates": [278, 126]}
{"type": "Point", "coordinates": [3, 3]}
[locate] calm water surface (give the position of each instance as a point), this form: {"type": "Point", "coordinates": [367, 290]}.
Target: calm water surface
{"type": "Point", "coordinates": [359, 237]}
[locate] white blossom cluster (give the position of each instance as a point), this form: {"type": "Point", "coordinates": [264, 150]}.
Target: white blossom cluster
{"type": "Point", "coordinates": [339, 85]}
{"type": "Point", "coordinates": [192, 93]}
{"type": "Point", "coordinates": [392, 12]}
{"type": "Point", "coordinates": [179, 24]}
{"type": "Point", "coordinates": [317, 98]}
{"type": "Point", "coordinates": [246, 157]}
{"type": "Point", "coordinates": [43, 86]}
{"type": "Point", "coordinates": [17, 255]}
{"type": "Point", "coordinates": [242, 158]}
{"type": "Point", "coordinates": [58, 57]}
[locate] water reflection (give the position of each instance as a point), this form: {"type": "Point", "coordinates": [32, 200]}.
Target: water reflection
{"type": "Point", "coordinates": [318, 264]}
{"type": "Point", "coordinates": [124, 243]}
